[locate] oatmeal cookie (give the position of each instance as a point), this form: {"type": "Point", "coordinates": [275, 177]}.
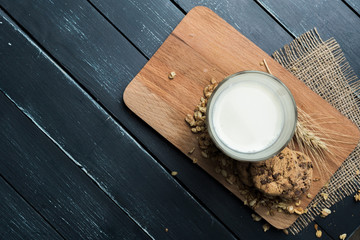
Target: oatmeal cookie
{"type": "Point", "coordinates": [287, 175]}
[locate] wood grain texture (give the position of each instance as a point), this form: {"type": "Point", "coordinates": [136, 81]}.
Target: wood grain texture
{"type": "Point", "coordinates": [248, 18]}
{"type": "Point", "coordinates": [331, 18]}
{"type": "Point", "coordinates": [19, 220]}
{"type": "Point", "coordinates": [355, 4]}
{"type": "Point", "coordinates": [59, 190]}
{"type": "Point", "coordinates": [102, 149]}
{"type": "Point", "coordinates": [84, 43]}
{"type": "Point", "coordinates": [204, 46]}
{"type": "Point", "coordinates": [145, 23]}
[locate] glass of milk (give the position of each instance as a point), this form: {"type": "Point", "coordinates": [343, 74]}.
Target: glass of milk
{"type": "Point", "coordinates": [251, 116]}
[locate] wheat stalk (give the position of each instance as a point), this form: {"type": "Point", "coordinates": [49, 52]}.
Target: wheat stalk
{"type": "Point", "coordinates": [316, 141]}
{"type": "Point", "coordinates": [307, 139]}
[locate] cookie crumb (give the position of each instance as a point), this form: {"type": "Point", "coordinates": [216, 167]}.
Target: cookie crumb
{"type": "Point", "coordinates": [298, 203]}
{"type": "Point", "coordinates": [231, 179]}
{"type": "Point", "coordinates": [252, 202]}
{"type": "Point", "coordinates": [172, 75]}
{"type": "Point", "coordinates": [174, 173]}
{"type": "Point", "coordinates": [325, 196]}
{"type": "Point", "coordinates": [318, 233]}
{"type": "Point", "coordinates": [325, 212]}
{"type": "Point", "coordinates": [316, 226]}
{"type": "Point", "coordinates": [309, 195]}
{"type": "Point", "coordinates": [224, 173]}
{"type": "Point", "coordinates": [256, 217]}
{"type": "Point", "coordinates": [204, 154]}
{"type": "Point", "coordinates": [191, 150]}
{"type": "Point", "coordinates": [166, 230]}
{"type": "Point", "coordinates": [261, 63]}
{"type": "Point", "coordinates": [286, 231]}
{"type": "Point", "coordinates": [266, 227]}
{"type": "Point", "coordinates": [194, 160]}
{"type": "Point", "coordinates": [342, 236]}
{"type": "Point", "coordinates": [357, 197]}
{"type": "Point", "coordinates": [290, 209]}
{"type": "Point", "coordinates": [299, 211]}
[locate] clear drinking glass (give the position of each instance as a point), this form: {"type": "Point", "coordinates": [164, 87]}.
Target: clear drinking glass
{"type": "Point", "coordinates": [251, 116]}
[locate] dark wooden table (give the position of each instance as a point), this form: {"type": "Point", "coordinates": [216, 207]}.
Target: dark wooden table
{"type": "Point", "coordinates": [77, 164]}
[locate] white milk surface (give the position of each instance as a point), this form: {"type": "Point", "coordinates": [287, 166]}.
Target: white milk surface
{"type": "Point", "coordinates": [248, 117]}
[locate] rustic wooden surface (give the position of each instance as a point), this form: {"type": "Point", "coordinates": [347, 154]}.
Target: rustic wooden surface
{"type": "Point", "coordinates": [100, 150]}
{"type": "Point", "coordinates": [203, 46]}
{"type": "Point", "coordinates": [102, 45]}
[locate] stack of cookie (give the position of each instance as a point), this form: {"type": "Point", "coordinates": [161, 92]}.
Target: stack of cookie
{"type": "Point", "coordinates": [287, 175]}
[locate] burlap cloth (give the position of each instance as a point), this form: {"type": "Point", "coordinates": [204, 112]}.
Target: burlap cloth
{"type": "Point", "coordinates": [321, 65]}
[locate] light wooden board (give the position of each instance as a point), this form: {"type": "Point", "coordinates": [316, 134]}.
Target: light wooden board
{"type": "Point", "coordinates": [204, 46]}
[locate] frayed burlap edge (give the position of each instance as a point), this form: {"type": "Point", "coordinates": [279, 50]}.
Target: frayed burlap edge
{"type": "Point", "coordinates": [321, 65]}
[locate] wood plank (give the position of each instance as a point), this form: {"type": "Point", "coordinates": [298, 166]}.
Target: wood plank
{"type": "Point", "coordinates": [331, 18]}
{"type": "Point", "coordinates": [248, 18]}
{"type": "Point", "coordinates": [145, 23]}
{"type": "Point", "coordinates": [161, 103]}
{"type": "Point", "coordinates": [98, 144]}
{"type": "Point", "coordinates": [355, 4]}
{"type": "Point", "coordinates": [19, 220]}
{"type": "Point", "coordinates": [59, 190]}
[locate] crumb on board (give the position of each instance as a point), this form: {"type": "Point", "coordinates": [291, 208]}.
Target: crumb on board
{"type": "Point", "coordinates": [191, 150]}
{"type": "Point", "coordinates": [171, 75]}
{"type": "Point", "coordinates": [204, 154]}
{"type": "Point", "coordinates": [299, 211]}
{"type": "Point", "coordinates": [174, 173]}
{"type": "Point", "coordinates": [286, 231]}
{"type": "Point", "coordinates": [166, 230]}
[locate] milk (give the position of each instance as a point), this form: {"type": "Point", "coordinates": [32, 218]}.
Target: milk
{"type": "Point", "coordinates": [247, 116]}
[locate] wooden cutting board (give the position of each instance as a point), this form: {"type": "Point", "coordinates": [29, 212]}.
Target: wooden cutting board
{"type": "Point", "coordinates": [204, 46]}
